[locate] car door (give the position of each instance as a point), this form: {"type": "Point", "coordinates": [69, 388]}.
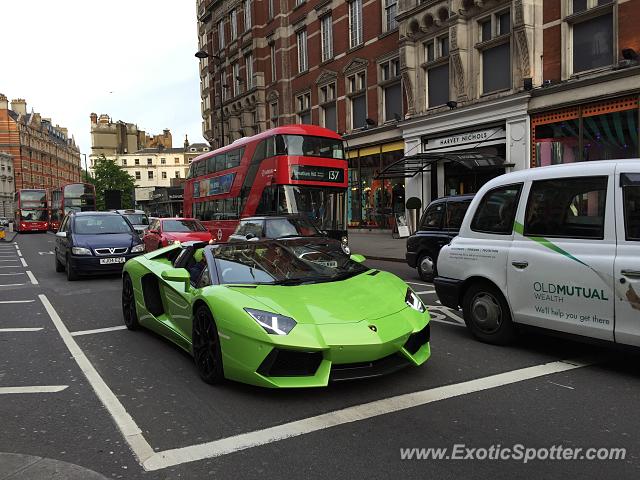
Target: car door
{"type": "Point", "coordinates": [560, 265]}
{"type": "Point", "coordinates": [60, 248]}
{"type": "Point", "coordinates": [627, 263]}
{"type": "Point", "coordinates": [151, 236]}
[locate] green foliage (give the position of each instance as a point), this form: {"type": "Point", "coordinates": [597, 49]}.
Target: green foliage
{"type": "Point", "coordinates": [107, 175]}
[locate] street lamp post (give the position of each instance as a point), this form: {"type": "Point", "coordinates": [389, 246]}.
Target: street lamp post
{"type": "Point", "coordinates": [202, 54]}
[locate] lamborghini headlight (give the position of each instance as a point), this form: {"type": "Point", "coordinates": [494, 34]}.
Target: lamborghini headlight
{"type": "Point", "coordinates": [344, 243]}
{"type": "Point", "coordinates": [80, 251]}
{"type": "Point", "coordinates": [273, 323]}
{"type": "Point", "coordinates": [137, 248]}
{"type": "Point", "coordinates": [414, 301]}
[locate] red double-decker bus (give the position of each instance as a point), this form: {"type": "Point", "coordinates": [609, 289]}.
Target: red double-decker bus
{"type": "Point", "coordinates": [293, 169]}
{"type": "Point", "coordinates": [78, 197]}
{"type": "Point", "coordinates": [31, 210]}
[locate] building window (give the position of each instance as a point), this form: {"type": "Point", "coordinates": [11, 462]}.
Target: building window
{"type": "Point", "coordinates": [303, 107]}
{"type": "Point", "coordinates": [224, 85]}
{"type": "Point", "coordinates": [124, 162]}
{"type": "Point", "coordinates": [357, 94]}
{"type": "Point", "coordinates": [496, 58]}
{"type": "Point", "coordinates": [137, 161]}
{"type": "Point", "coordinates": [326, 36]}
{"type": "Point", "coordinates": [177, 174]}
{"type": "Point", "coordinates": [303, 58]}
{"type": "Point", "coordinates": [391, 89]}
{"type": "Point", "coordinates": [436, 52]}
{"type": "Point", "coordinates": [248, 67]}
{"type": "Point", "coordinates": [355, 23]}
{"type": "Point", "coordinates": [233, 24]}
{"type": "Point", "coordinates": [163, 161]}
{"type": "Point", "coordinates": [221, 35]}
{"type": "Point", "coordinates": [150, 175]}
{"type": "Point", "coordinates": [390, 12]}
{"type": "Point", "coordinates": [176, 159]}
{"type": "Point", "coordinates": [273, 114]}
{"type": "Point", "coordinates": [164, 175]}
{"type": "Point", "coordinates": [237, 79]}
{"type": "Point", "coordinates": [247, 14]}
{"type": "Point", "coordinates": [271, 9]}
{"type": "Point", "coordinates": [328, 111]}
{"type": "Point", "coordinates": [273, 62]}
{"type": "Point", "coordinates": [137, 175]}
{"type": "Point", "coordinates": [592, 36]}
{"type": "Point", "coordinates": [149, 161]}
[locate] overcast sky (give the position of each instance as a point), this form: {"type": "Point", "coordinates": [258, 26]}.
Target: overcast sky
{"type": "Point", "coordinates": [130, 59]}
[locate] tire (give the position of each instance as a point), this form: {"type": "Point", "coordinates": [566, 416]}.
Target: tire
{"type": "Point", "coordinates": [59, 264]}
{"type": "Point", "coordinates": [206, 347]}
{"type": "Point", "coordinates": [71, 273]}
{"type": "Point", "coordinates": [487, 314]}
{"type": "Point", "coordinates": [425, 274]}
{"type": "Point", "coordinates": [129, 304]}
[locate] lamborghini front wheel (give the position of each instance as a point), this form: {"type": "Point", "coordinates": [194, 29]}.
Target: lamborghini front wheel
{"type": "Point", "coordinates": [206, 347]}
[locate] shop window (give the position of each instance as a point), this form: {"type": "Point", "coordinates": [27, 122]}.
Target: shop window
{"type": "Point", "coordinates": [567, 208]}
{"type": "Point", "coordinates": [557, 143]}
{"type": "Point", "coordinates": [497, 210]}
{"type": "Point", "coordinates": [631, 193]}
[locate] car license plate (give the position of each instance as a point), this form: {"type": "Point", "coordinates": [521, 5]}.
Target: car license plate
{"type": "Point", "coordinates": [108, 261]}
{"type": "Point", "coordinates": [330, 263]}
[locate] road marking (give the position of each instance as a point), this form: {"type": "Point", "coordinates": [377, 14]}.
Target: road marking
{"type": "Point", "coordinates": [98, 330]}
{"type": "Point", "coordinates": [19, 253]}
{"type": "Point", "coordinates": [130, 430]}
{"type": "Point", "coordinates": [11, 284]}
{"type": "Point", "coordinates": [9, 266]}
{"type": "Point", "coordinates": [448, 312]}
{"type": "Point", "coordinates": [423, 284]}
{"type": "Point", "coordinates": [17, 301]}
{"type": "Point", "coordinates": [24, 264]}
{"type": "Point", "coordinates": [19, 273]}
{"type": "Point", "coordinates": [216, 448]}
{"type": "Point", "coordinates": [46, 253]}
{"type": "Point", "coordinates": [560, 385]}
{"type": "Point", "coordinates": [12, 260]}
{"type": "Point", "coordinates": [5, 330]}
{"type": "Point", "coordinates": [36, 389]}
{"type": "Point", "coordinates": [32, 277]}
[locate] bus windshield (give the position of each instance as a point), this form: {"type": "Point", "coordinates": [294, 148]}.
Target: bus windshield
{"type": "Point", "coordinates": [308, 146]}
{"type": "Point", "coordinates": [34, 215]}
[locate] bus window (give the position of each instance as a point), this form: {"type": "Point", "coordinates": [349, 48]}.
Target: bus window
{"type": "Point", "coordinates": [268, 202]}
{"type": "Point", "coordinates": [211, 164]}
{"type": "Point", "coordinates": [233, 158]}
{"type": "Point", "coordinates": [221, 160]}
{"type": "Point", "coordinates": [260, 153]}
{"type": "Point", "coordinates": [200, 168]}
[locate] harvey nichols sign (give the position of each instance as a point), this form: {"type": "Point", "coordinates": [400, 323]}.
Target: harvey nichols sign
{"type": "Point", "coordinates": [466, 138]}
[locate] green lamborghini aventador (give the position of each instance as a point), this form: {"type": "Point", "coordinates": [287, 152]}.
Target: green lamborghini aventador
{"type": "Point", "coordinates": [256, 312]}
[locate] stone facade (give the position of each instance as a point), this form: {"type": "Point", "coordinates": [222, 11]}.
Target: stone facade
{"type": "Point", "coordinates": [7, 189]}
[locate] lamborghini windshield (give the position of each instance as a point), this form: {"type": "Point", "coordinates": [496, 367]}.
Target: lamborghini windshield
{"type": "Point", "coordinates": [274, 263]}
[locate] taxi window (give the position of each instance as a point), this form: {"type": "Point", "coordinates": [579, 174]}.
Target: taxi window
{"type": "Point", "coordinates": [432, 218]}
{"type": "Point", "coordinates": [497, 210]}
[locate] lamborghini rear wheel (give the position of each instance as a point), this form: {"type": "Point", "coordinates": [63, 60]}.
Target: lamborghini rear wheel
{"type": "Point", "coordinates": [129, 304]}
{"type": "Point", "coordinates": [206, 347]}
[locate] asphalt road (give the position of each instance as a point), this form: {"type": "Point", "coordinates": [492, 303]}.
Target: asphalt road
{"type": "Point", "coordinates": [56, 372]}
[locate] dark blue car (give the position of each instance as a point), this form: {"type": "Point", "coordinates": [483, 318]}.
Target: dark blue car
{"type": "Point", "coordinates": [94, 243]}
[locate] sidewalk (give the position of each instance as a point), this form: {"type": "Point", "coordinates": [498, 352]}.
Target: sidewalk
{"type": "Point", "coordinates": [377, 245]}
{"type": "Point", "coordinates": [8, 237]}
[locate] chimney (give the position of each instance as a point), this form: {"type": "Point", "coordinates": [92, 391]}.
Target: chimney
{"type": "Point", "coordinates": [94, 118]}
{"type": "Point", "coordinates": [19, 105]}
{"type": "Point", "coordinates": [3, 102]}
{"type": "Point", "coordinates": [186, 142]}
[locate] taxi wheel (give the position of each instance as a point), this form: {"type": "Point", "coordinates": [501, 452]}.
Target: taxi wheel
{"type": "Point", "coordinates": [487, 314]}
{"type": "Point", "coordinates": [206, 347]}
{"type": "Point", "coordinates": [129, 304]}
{"type": "Point", "coordinates": [427, 267]}
{"type": "Point", "coordinates": [71, 273]}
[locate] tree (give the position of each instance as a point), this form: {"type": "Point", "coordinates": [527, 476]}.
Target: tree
{"type": "Point", "coordinates": [107, 175]}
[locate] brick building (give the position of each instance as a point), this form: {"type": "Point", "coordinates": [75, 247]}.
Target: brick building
{"type": "Point", "coordinates": [589, 107]}
{"type": "Point", "coordinates": [43, 154]}
{"type": "Point", "coordinates": [327, 62]}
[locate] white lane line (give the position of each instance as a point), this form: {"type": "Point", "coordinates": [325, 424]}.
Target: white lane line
{"type": "Point", "coordinates": [177, 456]}
{"type": "Point", "coordinates": [423, 284]}
{"type": "Point", "coordinates": [11, 284]}
{"type": "Point", "coordinates": [32, 277]}
{"type": "Point", "coordinates": [19, 273]}
{"type": "Point", "coordinates": [448, 322]}
{"type": "Point", "coordinates": [126, 424]}
{"type": "Point", "coordinates": [9, 266]}
{"type": "Point", "coordinates": [19, 253]}
{"type": "Point", "coordinates": [447, 311]}
{"type": "Point", "coordinates": [35, 389]}
{"type": "Point", "coordinates": [5, 330]}
{"type": "Point", "coordinates": [17, 246]}
{"type": "Point", "coordinates": [12, 260]}
{"type": "Point", "coordinates": [24, 264]}
{"type": "Point", "coordinates": [98, 330]}
{"type": "Point", "coordinates": [17, 301]}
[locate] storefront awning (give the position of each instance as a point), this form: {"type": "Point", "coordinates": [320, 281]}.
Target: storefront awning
{"type": "Point", "coordinates": [410, 166]}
